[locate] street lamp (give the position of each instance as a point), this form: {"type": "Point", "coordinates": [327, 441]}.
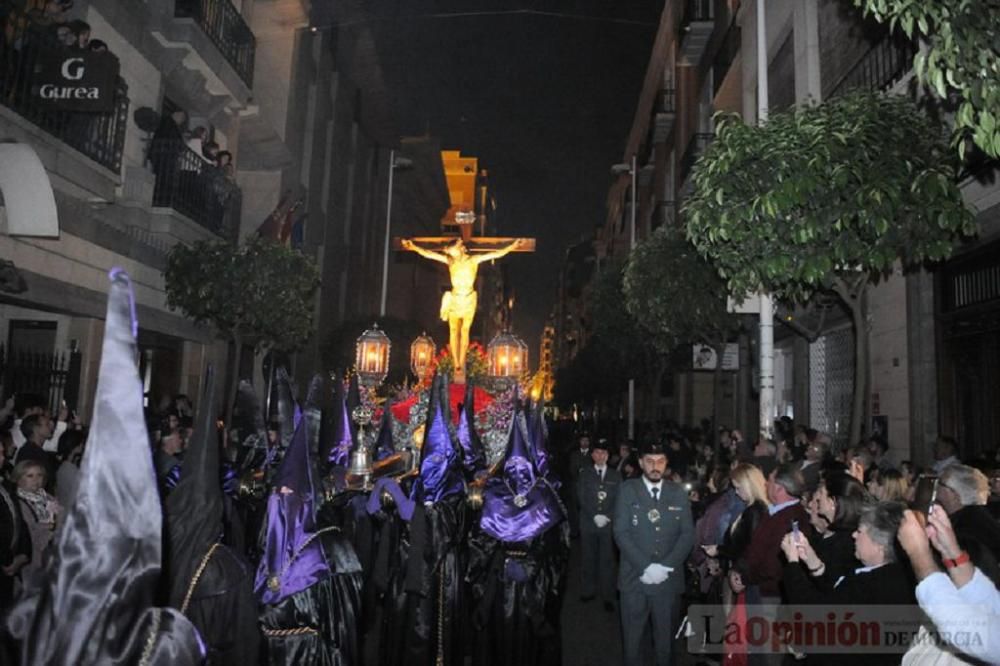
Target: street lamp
{"type": "Point", "coordinates": [371, 356]}
{"type": "Point", "coordinates": [421, 354]}
{"type": "Point", "coordinates": [394, 163]}
{"type": "Point", "coordinates": [618, 170]}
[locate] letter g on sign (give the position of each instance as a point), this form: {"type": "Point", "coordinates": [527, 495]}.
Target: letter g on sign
{"type": "Point", "coordinates": [72, 69]}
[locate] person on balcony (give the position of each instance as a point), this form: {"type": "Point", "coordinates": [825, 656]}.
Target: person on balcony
{"type": "Point", "coordinates": [164, 150]}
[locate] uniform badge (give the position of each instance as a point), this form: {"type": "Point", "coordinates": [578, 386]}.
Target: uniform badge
{"type": "Point", "coordinates": [635, 521]}
{"type": "Point", "coordinates": [653, 515]}
{"type": "Point", "coordinates": [520, 501]}
{"type": "Point", "coordinates": [601, 496]}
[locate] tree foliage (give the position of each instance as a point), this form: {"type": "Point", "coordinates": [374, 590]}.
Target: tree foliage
{"type": "Point", "coordinates": [611, 323]}
{"type": "Point", "coordinates": [961, 58]}
{"type": "Point", "coordinates": [259, 292]}
{"type": "Point", "coordinates": [843, 188]}
{"type": "Point", "coordinates": [827, 198]}
{"type": "Point", "coordinates": [675, 294]}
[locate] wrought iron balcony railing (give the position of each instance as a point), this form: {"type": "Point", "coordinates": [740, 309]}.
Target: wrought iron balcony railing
{"type": "Point", "coordinates": [885, 63]}
{"type": "Point", "coordinates": [667, 104]}
{"type": "Point", "coordinates": [194, 187]}
{"type": "Point", "coordinates": [99, 136]}
{"type": "Point", "coordinates": [697, 11]}
{"type": "Point", "coordinates": [227, 29]}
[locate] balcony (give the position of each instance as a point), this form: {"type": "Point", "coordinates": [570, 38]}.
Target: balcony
{"type": "Point", "coordinates": [695, 149]}
{"type": "Point", "coordinates": [663, 120]}
{"type": "Point", "coordinates": [696, 26]}
{"type": "Point", "coordinates": [227, 29]}
{"type": "Point", "coordinates": [195, 188]}
{"type": "Point", "coordinates": [99, 136]}
{"type": "Point", "coordinates": [880, 68]}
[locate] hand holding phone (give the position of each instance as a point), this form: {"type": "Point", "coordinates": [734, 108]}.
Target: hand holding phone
{"type": "Point", "coordinates": [796, 534]}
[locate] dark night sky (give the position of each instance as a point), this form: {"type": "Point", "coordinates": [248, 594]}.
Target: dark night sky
{"type": "Point", "coordinates": [545, 102]}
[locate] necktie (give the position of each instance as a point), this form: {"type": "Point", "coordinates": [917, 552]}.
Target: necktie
{"type": "Point", "coordinates": [656, 494]}
{"type": "Point", "coordinates": [600, 473]}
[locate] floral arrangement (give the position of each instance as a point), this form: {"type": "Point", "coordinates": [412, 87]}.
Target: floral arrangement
{"type": "Point", "coordinates": [443, 363]}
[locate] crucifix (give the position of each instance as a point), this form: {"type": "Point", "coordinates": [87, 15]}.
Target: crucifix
{"type": "Point", "coordinates": [458, 306]}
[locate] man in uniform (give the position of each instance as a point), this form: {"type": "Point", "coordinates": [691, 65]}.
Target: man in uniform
{"type": "Point", "coordinates": [596, 491]}
{"type": "Point", "coordinates": [577, 460]}
{"type": "Point", "coordinates": [655, 533]}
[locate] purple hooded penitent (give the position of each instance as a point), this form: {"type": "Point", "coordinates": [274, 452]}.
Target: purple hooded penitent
{"type": "Point", "coordinates": [293, 558]}
{"type": "Point", "coordinates": [440, 467]}
{"type": "Point", "coordinates": [520, 504]}
{"type": "Point", "coordinates": [473, 451]}
{"type": "Point", "coordinates": [343, 439]}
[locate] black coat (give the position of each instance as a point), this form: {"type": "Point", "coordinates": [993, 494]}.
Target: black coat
{"type": "Point", "coordinates": [837, 553]}
{"type": "Point", "coordinates": [979, 534]}
{"type": "Point", "coordinates": [14, 541]}
{"type": "Point", "coordinates": [740, 533]}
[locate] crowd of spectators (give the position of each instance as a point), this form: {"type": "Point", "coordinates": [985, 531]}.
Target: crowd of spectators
{"type": "Point", "coordinates": [797, 522]}
{"type": "Point", "coordinates": [191, 168]}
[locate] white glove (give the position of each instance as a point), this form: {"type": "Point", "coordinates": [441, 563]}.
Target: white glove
{"type": "Point", "coordinates": [601, 521]}
{"type": "Point", "coordinates": [655, 574]}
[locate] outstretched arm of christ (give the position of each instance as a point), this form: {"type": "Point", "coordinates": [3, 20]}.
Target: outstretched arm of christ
{"type": "Point", "coordinates": [496, 254]}
{"type": "Point", "coordinates": [424, 252]}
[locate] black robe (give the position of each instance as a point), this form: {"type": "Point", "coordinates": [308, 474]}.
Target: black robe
{"type": "Point", "coordinates": [319, 625]}
{"type": "Point", "coordinates": [517, 593]}
{"type": "Point", "coordinates": [424, 588]}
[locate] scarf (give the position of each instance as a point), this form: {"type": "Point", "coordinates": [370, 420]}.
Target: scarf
{"type": "Point", "coordinates": [42, 505]}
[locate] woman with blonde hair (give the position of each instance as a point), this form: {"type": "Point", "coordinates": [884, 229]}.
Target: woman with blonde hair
{"type": "Point", "coordinates": [749, 484]}
{"type": "Point", "coordinates": [891, 486]}
{"type": "Point", "coordinates": [39, 509]}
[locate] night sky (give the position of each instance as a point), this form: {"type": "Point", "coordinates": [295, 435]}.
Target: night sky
{"type": "Point", "coordinates": [545, 102]}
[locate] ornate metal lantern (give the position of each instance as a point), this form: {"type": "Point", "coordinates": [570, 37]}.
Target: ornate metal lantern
{"type": "Point", "coordinates": [507, 355]}
{"type": "Point", "coordinates": [371, 358]}
{"type": "Point", "coordinates": [422, 354]}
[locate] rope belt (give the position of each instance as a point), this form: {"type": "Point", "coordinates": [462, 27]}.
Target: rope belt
{"type": "Point", "coordinates": [197, 577]}
{"type": "Point", "coordinates": [147, 650]}
{"type": "Point", "coordinates": [284, 633]}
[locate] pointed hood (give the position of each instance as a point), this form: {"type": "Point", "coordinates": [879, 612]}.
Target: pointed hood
{"type": "Point", "coordinates": [343, 434]}
{"type": "Point", "coordinates": [440, 466]}
{"type": "Point", "coordinates": [288, 411]}
{"type": "Point", "coordinates": [520, 504]}
{"type": "Point", "coordinates": [248, 417]}
{"type": "Point", "coordinates": [473, 451]}
{"type": "Point", "coordinates": [194, 509]}
{"type": "Point", "coordinates": [94, 602]}
{"type": "Point", "coordinates": [293, 557]}
{"type": "Point", "coordinates": [538, 434]}
{"type": "Point", "coordinates": [313, 412]}
{"type": "Point", "coordinates": [384, 446]}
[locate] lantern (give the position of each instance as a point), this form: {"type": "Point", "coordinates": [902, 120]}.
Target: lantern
{"type": "Point", "coordinates": [421, 354]}
{"type": "Point", "coordinates": [371, 357]}
{"type": "Point", "coordinates": [507, 355]}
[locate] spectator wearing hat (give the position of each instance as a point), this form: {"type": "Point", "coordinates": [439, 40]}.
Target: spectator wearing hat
{"type": "Point", "coordinates": [597, 490]}
{"type": "Point", "coordinates": [655, 533]}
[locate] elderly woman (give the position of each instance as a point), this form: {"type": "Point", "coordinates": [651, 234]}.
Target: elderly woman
{"type": "Point", "coordinates": [962, 491]}
{"type": "Point", "coordinates": [39, 509]}
{"type": "Point", "coordinates": [881, 580]}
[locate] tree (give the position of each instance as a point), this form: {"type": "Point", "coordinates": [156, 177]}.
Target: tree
{"type": "Point", "coordinates": [827, 198]}
{"type": "Point", "coordinates": [259, 293]}
{"type": "Point", "coordinates": [678, 297]}
{"type": "Point", "coordinates": [633, 351]}
{"type": "Point", "coordinates": [960, 58]}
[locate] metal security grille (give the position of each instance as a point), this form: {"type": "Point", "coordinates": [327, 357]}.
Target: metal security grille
{"type": "Point", "coordinates": [831, 383]}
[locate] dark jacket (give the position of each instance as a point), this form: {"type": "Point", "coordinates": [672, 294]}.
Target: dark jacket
{"type": "Point", "coordinates": [740, 533]}
{"type": "Point", "coordinates": [763, 556]}
{"type": "Point", "coordinates": [644, 537]}
{"type": "Point", "coordinates": [596, 496]}
{"type": "Point", "coordinates": [837, 553]}
{"type": "Point", "coordinates": [979, 534]}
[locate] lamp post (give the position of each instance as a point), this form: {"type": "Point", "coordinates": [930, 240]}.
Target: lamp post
{"type": "Point", "coordinates": [394, 163]}
{"type": "Point", "coordinates": [421, 354]}
{"type": "Point", "coordinates": [766, 300]}
{"type": "Point", "coordinates": [617, 170]}
{"type": "Point", "coordinates": [507, 356]}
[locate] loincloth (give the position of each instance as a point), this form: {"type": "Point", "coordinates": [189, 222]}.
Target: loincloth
{"type": "Point", "coordinates": [458, 306]}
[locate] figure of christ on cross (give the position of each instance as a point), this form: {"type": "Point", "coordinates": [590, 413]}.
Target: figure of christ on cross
{"type": "Point", "coordinates": [458, 306]}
